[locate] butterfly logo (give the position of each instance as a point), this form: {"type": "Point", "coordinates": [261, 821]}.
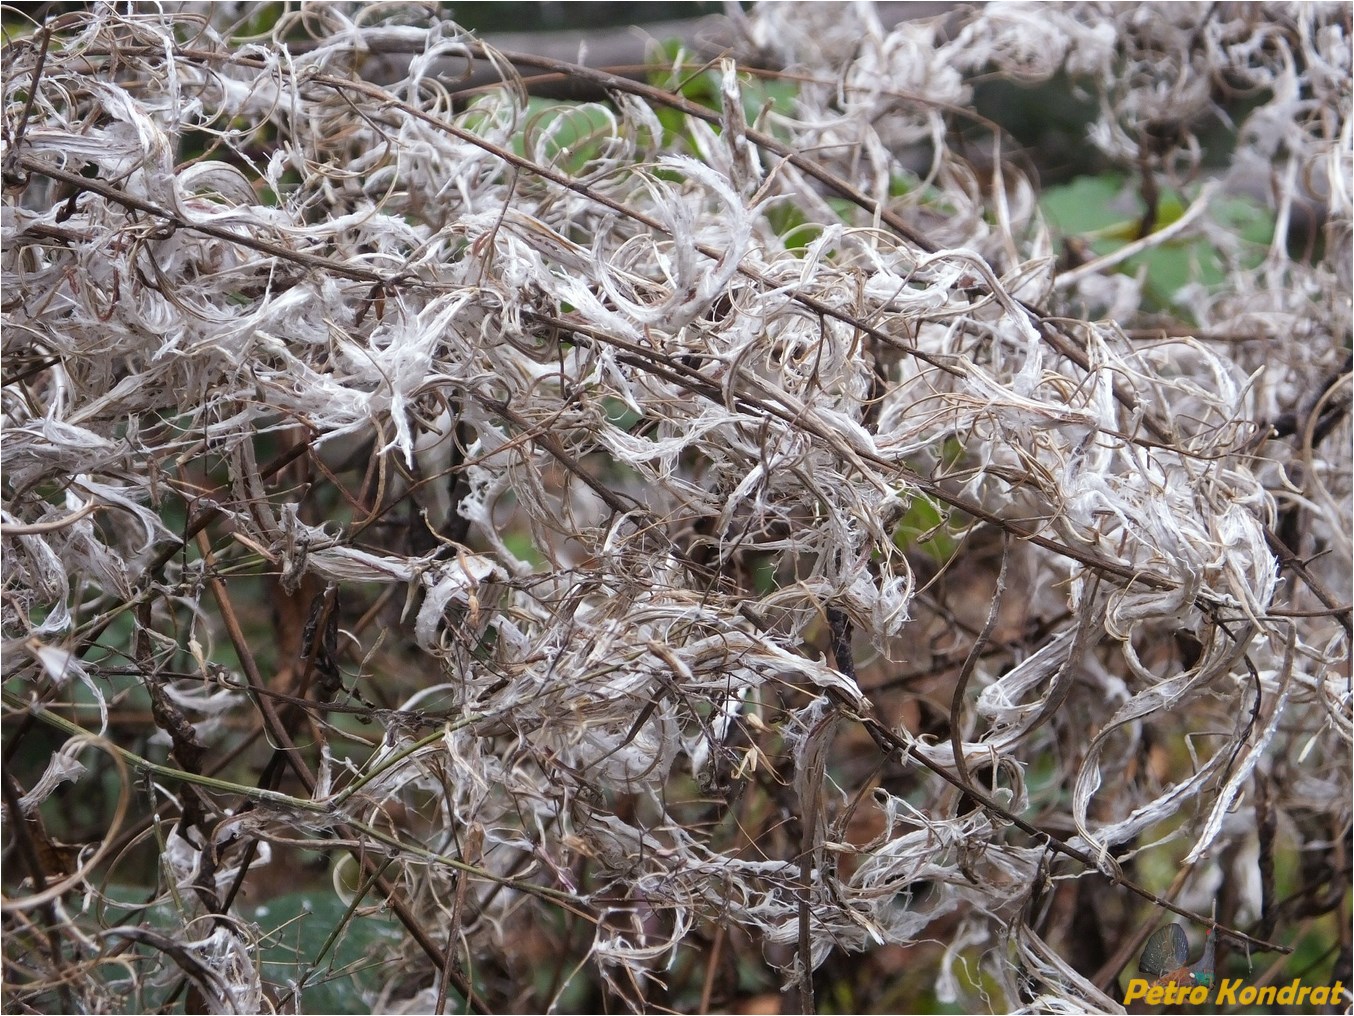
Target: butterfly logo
{"type": "Point", "coordinates": [1166, 957]}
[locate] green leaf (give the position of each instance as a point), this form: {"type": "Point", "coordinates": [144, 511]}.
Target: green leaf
{"type": "Point", "coordinates": [298, 927]}
{"type": "Point", "coordinates": [1106, 212]}
{"type": "Point", "coordinates": [1089, 204]}
{"type": "Point", "coordinates": [791, 225]}
{"type": "Point", "coordinates": [926, 528]}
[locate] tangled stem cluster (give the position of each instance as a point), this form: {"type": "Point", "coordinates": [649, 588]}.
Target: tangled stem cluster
{"type": "Point", "coordinates": [695, 526]}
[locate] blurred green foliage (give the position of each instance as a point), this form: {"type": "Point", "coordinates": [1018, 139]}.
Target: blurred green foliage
{"type": "Point", "coordinates": [1106, 212]}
